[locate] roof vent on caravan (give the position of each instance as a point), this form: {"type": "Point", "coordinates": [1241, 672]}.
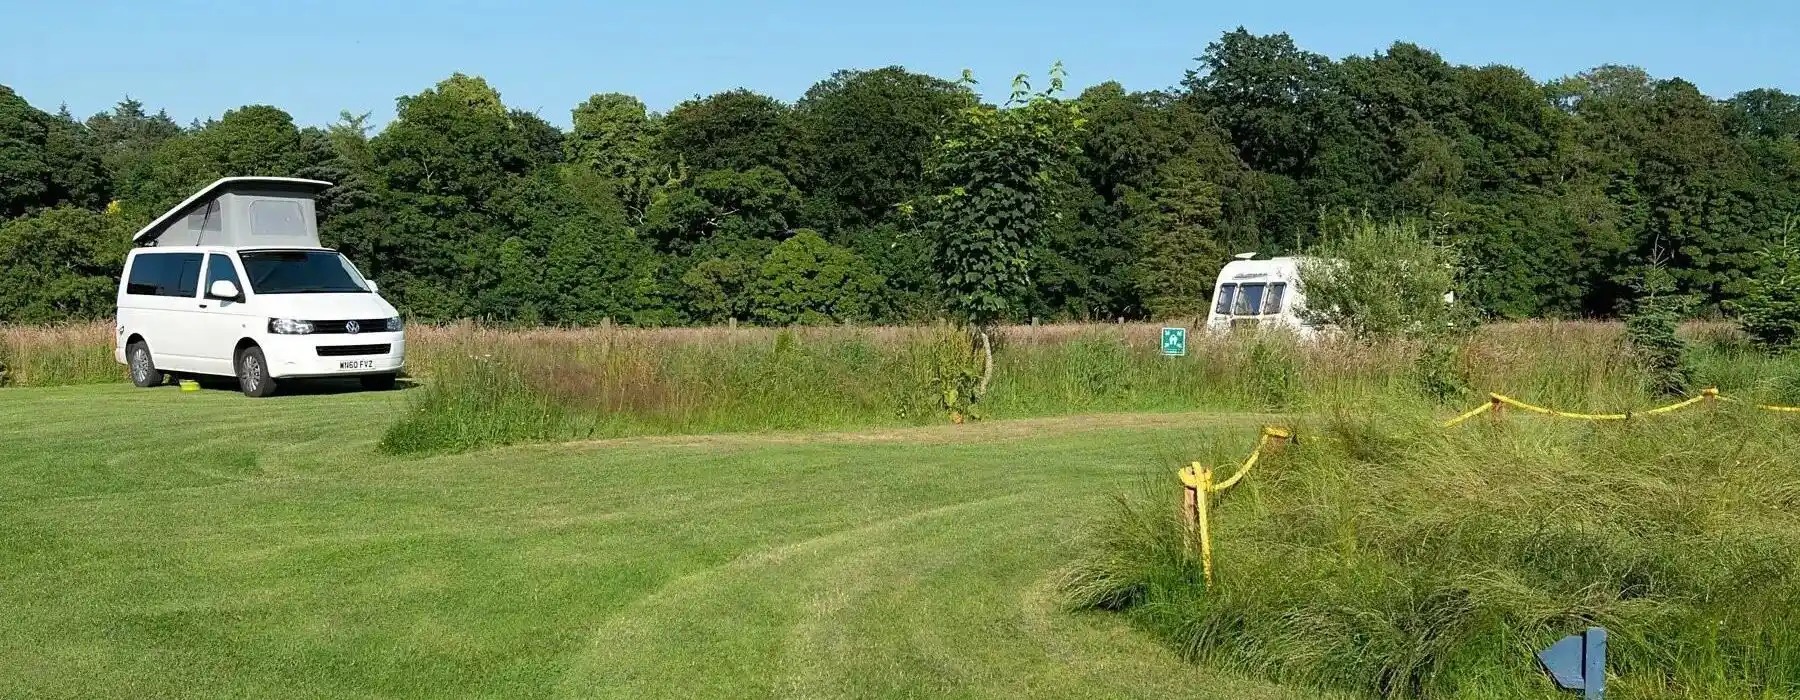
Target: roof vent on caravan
{"type": "Point", "coordinates": [275, 212]}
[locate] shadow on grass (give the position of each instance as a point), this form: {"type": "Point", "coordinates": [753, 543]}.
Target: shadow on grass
{"type": "Point", "coordinates": [320, 386]}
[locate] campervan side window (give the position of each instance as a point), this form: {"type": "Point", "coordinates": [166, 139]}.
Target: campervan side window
{"type": "Point", "coordinates": [164, 275]}
{"type": "Point", "coordinates": [1222, 305]}
{"type": "Point", "coordinates": [1272, 298]}
{"type": "Point", "coordinates": [206, 218]}
{"type": "Point", "coordinates": [219, 269]}
{"type": "Point", "coordinates": [1249, 300]}
{"type": "Point", "coordinates": [273, 217]}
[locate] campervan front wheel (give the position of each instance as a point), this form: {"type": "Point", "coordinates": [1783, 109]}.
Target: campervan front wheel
{"type": "Point", "coordinates": [253, 373]}
{"type": "Point", "coordinates": [143, 369]}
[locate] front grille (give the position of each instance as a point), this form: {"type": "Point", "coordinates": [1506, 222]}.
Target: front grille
{"type": "Point", "coordinates": [348, 350]}
{"type": "Point", "coordinates": [365, 325]}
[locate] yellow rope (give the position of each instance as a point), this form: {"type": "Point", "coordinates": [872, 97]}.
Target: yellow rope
{"type": "Point", "coordinates": [1515, 403]}
{"type": "Point", "coordinates": [1763, 406]}
{"type": "Point", "coordinates": [1268, 433]}
{"type": "Point", "coordinates": [1476, 411]}
{"type": "Point", "coordinates": [1497, 400]}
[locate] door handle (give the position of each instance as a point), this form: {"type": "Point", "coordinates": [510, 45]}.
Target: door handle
{"type": "Point", "coordinates": [202, 306]}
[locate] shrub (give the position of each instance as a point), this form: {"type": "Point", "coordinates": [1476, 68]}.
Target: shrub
{"type": "Point", "coordinates": [1769, 311]}
{"type": "Point", "coordinates": [1651, 328]}
{"type": "Point", "coordinates": [1380, 281]}
{"type": "Point", "coordinates": [1438, 373]}
{"type": "Point", "coordinates": [61, 264]}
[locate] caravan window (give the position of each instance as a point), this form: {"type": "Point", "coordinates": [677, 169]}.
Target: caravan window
{"type": "Point", "coordinates": [1249, 300]}
{"type": "Point", "coordinates": [1272, 299]}
{"type": "Point", "coordinates": [164, 275]}
{"type": "Point", "coordinates": [1222, 305]}
{"type": "Point", "coordinates": [275, 217]}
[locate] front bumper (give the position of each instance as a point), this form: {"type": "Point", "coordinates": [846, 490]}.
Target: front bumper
{"type": "Point", "coordinates": [298, 355]}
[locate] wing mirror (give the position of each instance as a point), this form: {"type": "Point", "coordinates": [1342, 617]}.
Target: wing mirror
{"type": "Point", "coordinates": [223, 289]}
{"type": "Point", "coordinates": [373, 289]}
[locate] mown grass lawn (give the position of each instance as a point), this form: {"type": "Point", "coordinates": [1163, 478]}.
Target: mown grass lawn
{"type": "Point", "coordinates": [161, 544]}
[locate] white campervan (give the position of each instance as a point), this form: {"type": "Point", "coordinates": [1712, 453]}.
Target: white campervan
{"type": "Point", "coordinates": [233, 282]}
{"type": "Point", "coordinates": [1259, 293]}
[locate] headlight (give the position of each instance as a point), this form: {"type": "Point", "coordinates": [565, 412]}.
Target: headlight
{"type": "Point", "coordinates": [394, 325]}
{"type": "Point", "coordinates": [289, 326]}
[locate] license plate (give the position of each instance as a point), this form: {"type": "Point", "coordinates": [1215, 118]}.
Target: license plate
{"type": "Point", "coordinates": [357, 364]}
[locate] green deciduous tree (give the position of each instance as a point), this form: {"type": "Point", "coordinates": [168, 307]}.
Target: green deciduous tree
{"type": "Point", "coordinates": [808, 281]}
{"type": "Point", "coordinates": [614, 136]}
{"type": "Point", "coordinates": [996, 168]}
{"type": "Point", "coordinates": [446, 166]}
{"type": "Point", "coordinates": [733, 130]}
{"type": "Point", "coordinates": [45, 160]}
{"type": "Point", "coordinates": [1176, 224]}
{"type": "Point", "coordinates": [868, 135]}
{"type": "Point", "coordinates": [61, 264]}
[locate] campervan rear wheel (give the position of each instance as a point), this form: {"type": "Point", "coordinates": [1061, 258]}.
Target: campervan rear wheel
{"type": "Point", "coordinates": [253, 373]}
{"type": "Point", "coordinates": [143, 368]}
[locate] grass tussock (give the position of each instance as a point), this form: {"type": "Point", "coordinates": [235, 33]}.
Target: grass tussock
{"type": "Point", "coordinates": [1392, 559]}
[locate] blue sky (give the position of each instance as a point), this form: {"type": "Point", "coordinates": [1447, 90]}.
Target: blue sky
{"type": "Point", "coordinates": [198, 59]}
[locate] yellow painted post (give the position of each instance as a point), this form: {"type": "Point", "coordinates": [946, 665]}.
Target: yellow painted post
{"type": "Point", "coordinates": [1205, 494]}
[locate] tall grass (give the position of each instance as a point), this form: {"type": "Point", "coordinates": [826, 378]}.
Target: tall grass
{"type": "Point", "coordinates": [612, 382]}
{"type": "Point", "coordinates": [51, 355]}
{"type": "Point", "coordinates": [1393, 559]}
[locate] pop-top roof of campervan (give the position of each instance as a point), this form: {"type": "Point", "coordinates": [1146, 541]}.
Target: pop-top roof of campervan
{"type": "Point", "coordinates": [241, 211]}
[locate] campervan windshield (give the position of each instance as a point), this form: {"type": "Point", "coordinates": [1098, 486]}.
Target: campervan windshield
{"type": "Point", "coordinates": [301, 272]}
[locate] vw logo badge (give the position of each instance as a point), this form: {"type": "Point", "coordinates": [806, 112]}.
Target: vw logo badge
{"type": "Point", "coordinates": [352, 327]}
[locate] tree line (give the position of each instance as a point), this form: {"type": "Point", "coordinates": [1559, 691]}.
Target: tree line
{"type": "Point", "coordinates": [891, 196]}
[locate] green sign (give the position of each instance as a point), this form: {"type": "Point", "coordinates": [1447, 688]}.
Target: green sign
{"type": "Point", "coordinates": [1174, 341]}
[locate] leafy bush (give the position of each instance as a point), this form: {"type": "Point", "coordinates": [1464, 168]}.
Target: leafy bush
{"type": "Point", "coordinates": [1769, 311]}
{"type": "Point", "coordinates": [1380, 281]}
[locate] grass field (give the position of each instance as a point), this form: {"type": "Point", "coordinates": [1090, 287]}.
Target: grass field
{"type": "Point", "coordinates": [659, 529]}
{"type": "Point", "coordinates": [161, 544]}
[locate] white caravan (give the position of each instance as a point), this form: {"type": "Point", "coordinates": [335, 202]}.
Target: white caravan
{"type": "Point", "coordinates": [1259, 293]}
{"type": "Point", "coordinates": [233, 282]}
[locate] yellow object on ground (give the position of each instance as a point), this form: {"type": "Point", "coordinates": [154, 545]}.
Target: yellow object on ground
{"type": "Point", "coordinates": [1199, 479]}
{"type": "Point", "coordinates": [190, 385]}
{"type": "Point", "coordinates": [1710, 395]}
